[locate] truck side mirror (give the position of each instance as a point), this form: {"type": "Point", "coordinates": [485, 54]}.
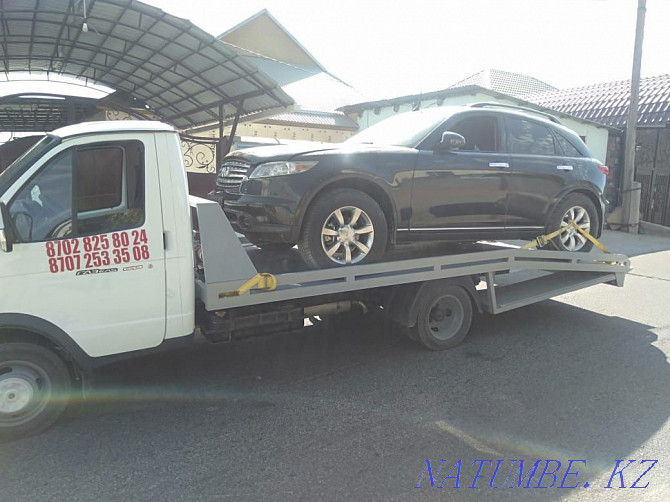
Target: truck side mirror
{"type": "Point", "coordinates": [450, 141]}
{"type": "Point", "coordinates": [6, 230]}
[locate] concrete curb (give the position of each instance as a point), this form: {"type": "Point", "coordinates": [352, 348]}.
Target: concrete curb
{"type": "Point", "coordinates": [653, 229]}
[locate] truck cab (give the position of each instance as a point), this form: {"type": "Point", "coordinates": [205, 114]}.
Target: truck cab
{"type": "Point", "coordinates": [97, 254]}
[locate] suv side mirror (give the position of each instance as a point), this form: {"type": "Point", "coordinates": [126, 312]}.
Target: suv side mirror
{"type": "Point", "coordinates": [450, 141]}
{"type": "Point", "coordinates": [6, 233]}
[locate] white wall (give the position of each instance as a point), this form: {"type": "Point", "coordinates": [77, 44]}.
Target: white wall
{"type": "Point", "coordinates": [596, 136]}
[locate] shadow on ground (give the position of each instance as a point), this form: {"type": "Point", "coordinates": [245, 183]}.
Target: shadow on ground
{"type": "Point", "coordinates": [355, 412]}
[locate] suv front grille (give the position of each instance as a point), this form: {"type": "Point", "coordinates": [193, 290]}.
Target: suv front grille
{"type": "Point", "coordinates": [232, 173]}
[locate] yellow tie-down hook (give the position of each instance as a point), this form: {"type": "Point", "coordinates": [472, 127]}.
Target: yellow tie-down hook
{"type": "Point", "coordinates": [263, 281]}
{"type": "Point", "coordinates": [543, 240]}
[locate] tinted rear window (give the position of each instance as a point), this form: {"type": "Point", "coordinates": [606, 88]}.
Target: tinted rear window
{"type": "Point", "coordinates": [528, 137]}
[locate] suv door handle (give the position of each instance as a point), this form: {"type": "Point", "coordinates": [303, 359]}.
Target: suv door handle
{"type": "Point", "coordinates": [564, 168]}
{"type": "Point", "coordinates": [498, 164]}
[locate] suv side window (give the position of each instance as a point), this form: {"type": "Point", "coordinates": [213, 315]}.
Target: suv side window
{"type": "Point", "coordinates": [568, 148]}
{"type": "Point", "coordinates": [106, 190]}
{"type": "Point", "coordinates": [528, 137]}
{"type": "Point", "coordinates": [480, 133]}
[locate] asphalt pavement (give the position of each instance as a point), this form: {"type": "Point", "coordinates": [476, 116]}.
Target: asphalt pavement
{"type": "Point", "coordinates": [355, 412]}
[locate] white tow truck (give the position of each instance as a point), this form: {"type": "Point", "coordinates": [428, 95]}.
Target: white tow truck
{"type": "Point", "coordinates": [104, 255]}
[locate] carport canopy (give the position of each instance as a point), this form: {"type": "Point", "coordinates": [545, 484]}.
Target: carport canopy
{"type": "Point", "coordinates": [159, 62]}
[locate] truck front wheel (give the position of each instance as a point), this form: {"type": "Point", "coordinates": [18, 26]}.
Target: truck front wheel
{"type": "Point", "coordinates": [35, 388]}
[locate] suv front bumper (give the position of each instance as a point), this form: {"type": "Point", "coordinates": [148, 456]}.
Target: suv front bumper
{"type": "Point", "coordinates": [267, 220]}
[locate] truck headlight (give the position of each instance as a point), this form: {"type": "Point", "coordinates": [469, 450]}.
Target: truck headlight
{"type": "Point", "coordinates": [280, 169]}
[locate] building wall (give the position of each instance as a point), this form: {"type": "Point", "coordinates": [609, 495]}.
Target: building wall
{"type": "Point", "coordinates": [293, 132]}
{"type": "Point", "coordinates": [282, 132]}
{"type": "Point", "coordinates": [595, 137]}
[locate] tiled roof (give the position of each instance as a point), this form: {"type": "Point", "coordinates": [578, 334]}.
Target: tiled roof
{"type": "Point", "coordinates": [439, 98]}
{"type": "Point", "coordinates": [608, 103]}
{"type": "Point", "coordinates": [512, 84]}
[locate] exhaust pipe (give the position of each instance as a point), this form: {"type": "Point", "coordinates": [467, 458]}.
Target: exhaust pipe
{"type": "Point", "coordinates": [331, 308]}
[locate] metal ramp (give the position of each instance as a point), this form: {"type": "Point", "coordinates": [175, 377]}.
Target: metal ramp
{"type": "Point", "coordinates": [499, 298]}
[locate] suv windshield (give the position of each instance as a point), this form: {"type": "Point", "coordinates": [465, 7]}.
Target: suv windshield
{"type": "Point", "coordinates": [406, 129]}
{"type": "Point", "coordinates": [23, 163]}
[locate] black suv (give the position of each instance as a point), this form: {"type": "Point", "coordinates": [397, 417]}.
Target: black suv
{"type": "Point", "coordinates": [449, 173]}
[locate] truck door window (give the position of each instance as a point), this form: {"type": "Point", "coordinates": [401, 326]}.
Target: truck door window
{"type": "Point", "coordinates": [110, 187]}
{"type": "Point", "coordinates": [43, 207]}
{"type": "Point", "coordinates": [99, 178]}
{"type": "Point", "coordinates": [107, 190]}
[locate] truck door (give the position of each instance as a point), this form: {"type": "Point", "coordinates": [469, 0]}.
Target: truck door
{"type": "Point", "coordinates": [90, 255]}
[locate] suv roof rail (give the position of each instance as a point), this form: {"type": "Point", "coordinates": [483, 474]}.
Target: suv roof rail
{"type": "Point", "coordinates": [515, 107]}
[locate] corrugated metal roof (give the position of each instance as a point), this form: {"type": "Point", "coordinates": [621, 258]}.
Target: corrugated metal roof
{"type": "Point", "coordinates": [178, 70]}
{"type": "Point", "coordinates": [314, 119]}
{"type": "Point", "coordinates": [512, 84]}
{"type": "Point", "coordinates": [608, 103]}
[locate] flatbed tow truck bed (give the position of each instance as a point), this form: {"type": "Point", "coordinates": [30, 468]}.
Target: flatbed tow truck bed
{"type": "Point", "coordinates": [512, 277]}
{"type": "Point", "coordinates": [556, 272]}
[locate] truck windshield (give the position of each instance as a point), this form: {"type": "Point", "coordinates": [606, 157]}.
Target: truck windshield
{"type": "Point", "coordinates": [25, 161]}
{"type": "Point", "coordinates": [405, 129]}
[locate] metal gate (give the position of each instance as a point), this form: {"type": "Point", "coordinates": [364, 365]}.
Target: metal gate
{"type": "Point", "coordinates": [652, 170]}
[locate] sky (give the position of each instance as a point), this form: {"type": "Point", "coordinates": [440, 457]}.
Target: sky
{"type": "Point", "coordinates": [391, 48]}
{"type": "Point", "coordinates": [388, 48]}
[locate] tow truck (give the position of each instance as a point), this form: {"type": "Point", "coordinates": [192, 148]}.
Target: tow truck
{"type": "Point", "coordinates": [104, 255]}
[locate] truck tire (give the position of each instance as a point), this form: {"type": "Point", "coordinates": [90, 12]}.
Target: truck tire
{"type": "Point", "coordinates": [35, 388]}
{"type": "Point", "coordinates": [444, 316]}
{"type": "Point", "coordinates": [343, 227]}
{"type": "Point", "coordinates": [581, 209]}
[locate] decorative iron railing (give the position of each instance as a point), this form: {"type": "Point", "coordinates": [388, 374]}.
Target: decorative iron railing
{"type": "Point", "coordinates": [199, 153]}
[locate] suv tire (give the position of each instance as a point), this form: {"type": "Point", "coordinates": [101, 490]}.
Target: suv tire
{"type": "Point", "coordinates": [580, 208]}
{"type": "Point", "coordinates": [342, 227]}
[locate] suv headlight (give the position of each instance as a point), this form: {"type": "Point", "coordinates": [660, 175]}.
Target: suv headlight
{"type": "Point", "coordinates": [280, 169]}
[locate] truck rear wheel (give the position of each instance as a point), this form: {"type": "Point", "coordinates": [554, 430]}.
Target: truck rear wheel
{"type": "Point", "coordinates": [444, 316]}
{"type": "Point", "coordinates": [35, 388]}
